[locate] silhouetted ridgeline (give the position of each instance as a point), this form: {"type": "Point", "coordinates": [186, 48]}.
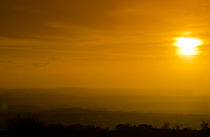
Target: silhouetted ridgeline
{"type": "Point", "coordinates": [33, 127]}
{"type": "Point", "coordinates": [101, 118]}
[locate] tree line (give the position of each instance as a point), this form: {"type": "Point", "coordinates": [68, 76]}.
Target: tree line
{"type": "Point", "coordinates": [32, 127]}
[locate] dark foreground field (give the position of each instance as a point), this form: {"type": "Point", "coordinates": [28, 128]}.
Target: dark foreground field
{"type": "Point", "coordinates": [33, 127]}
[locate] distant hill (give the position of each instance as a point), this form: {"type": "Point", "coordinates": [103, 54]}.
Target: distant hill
{"type": "Point", "coordinates": [138, 100]}
{"type": "Point", "coordinates": [104, 107]}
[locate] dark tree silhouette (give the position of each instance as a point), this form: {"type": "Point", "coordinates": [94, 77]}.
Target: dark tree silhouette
{"type": "Point", "coordinates": [166, 125]}
{"type": "Point", "coordinates": [25, 126]}
{"type": "Point", "coordinates": [204, 125]}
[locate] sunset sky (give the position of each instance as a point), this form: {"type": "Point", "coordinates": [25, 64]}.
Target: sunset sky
{"type": "Point", "coordinates": [103, 44]}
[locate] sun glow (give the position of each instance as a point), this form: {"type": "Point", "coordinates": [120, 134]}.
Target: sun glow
{"type": "Point", "coordinates": [188, 46]}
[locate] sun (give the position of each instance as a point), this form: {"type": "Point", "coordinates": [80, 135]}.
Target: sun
{"type": "Point", "coordinates": [188, 46]}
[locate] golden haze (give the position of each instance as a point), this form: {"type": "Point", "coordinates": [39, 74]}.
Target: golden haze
{"type": "Point", "coordinates": [106, 43]}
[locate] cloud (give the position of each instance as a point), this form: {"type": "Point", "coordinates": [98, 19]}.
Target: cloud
{"type": "Point", "coordinates": [38, 18]}
{"type": "Point", "coordinates": [29, 27]}
{"type": "Point", "coordinates": [29, 19]}
{"type": "Point", "coordinates": [5, 61]}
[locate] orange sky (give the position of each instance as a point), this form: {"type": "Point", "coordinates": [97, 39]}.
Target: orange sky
{"type": "Point", "coordinates": [102, 43]}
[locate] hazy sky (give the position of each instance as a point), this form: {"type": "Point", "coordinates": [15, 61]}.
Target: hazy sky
{"type": "Point", "coordinates": [102, 43]}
